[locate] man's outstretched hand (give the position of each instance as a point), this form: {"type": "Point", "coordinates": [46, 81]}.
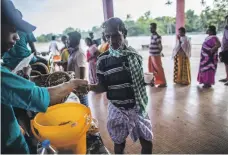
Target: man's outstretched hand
{"type": "Point", "coordinates": [78, 83]}
{"type": "Point", "coordinates": [58, 93]}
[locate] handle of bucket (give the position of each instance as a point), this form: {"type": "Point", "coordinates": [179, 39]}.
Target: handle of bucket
{"type": "Point", "coordinates": [38, 137]}
{"type": "Point", "coordinates": [88, 119]}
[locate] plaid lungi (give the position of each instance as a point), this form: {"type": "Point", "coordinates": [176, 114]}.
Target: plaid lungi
{"type": "Point", "coordinates": [122, 123]}
{"type": "Point", "coordinates": [83, 99]}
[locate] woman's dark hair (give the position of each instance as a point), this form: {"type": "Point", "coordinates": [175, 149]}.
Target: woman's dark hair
{"type": "Point", "coordinates": [182, 29]}
{"type": "Point", "coordinates": [63, 38]}
{"type": "Point", "coordinates": [74, 38]}
{"type": "Point", "coordinates": [89, 40]}
{"type": "Point", "coordinates": [115, 24]}
{"type": "Point", "coordinates": [90, 34]}
{"type": "Point", "coordinates": [53, 37]}
{"type": "Point", "coordinates": [153, 25]}
{"type": "Point", "coordinates": [103, 37]}
{"type": "Point", "coordinates": [125, 34]}
{"type": "Point", "coordinates": [212, 29]}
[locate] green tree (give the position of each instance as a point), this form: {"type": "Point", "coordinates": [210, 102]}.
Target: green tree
{"type": "Point", "coordinates": [45, 37]}
{"type": "Point", "coordinates": [147, 14]}
{"type": "Point", "coordinates": [143, 23]}
{"type": "Point", "coordinates": [215, 15]}
{"type": "Point", "coordinates": [68, 30]}
{"type": "Point", "coordinates": [41, 38]}
{"type": "Point", "coordinates": [192, 23]}
{"type": "Point", "coordinates": [166, 25]}
{"type": "Point", "coordinates": [97, 30]}
{"type": "Point", "coordinates": [128, 17]}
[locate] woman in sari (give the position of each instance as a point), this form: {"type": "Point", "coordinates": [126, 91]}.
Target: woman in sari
{"type": "Point", "coordinates": [181, 55]}
{"type": "Point", "coordinates": [64, 53]}
{"type": "Point", "coordinates": [209, 58]}
{"type": "Point", "coordinates": [92, 54]}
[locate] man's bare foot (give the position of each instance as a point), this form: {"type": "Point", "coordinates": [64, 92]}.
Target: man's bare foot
{"type": "Point", "coordinates": [223, 80]}
{"type": "Point", "coordinates": [162, 85]}
{"type": "Point", "coordinates": [206, 86]}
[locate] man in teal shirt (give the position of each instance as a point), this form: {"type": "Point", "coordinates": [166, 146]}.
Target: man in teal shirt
{"type": "Point", "coordinates": [20, 51]}
{"type": "Point", "coordinates": [19, 92]}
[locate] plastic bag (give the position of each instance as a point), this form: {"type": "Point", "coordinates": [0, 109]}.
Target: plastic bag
{"type": "Point", "coordinates": [72, 98]}
{"type": "Point", "coordinates": [24, 63]}
{"type": "Point", "coordinates": [95, 144]}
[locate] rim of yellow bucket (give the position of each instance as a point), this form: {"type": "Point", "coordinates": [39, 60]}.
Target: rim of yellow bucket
{"type": "Point", "coordinates": [65, 104]}
{"type": "Point", "coordinates": [34, 123]}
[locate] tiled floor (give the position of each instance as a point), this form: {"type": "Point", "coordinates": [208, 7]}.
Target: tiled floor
{"type": "Point", "coordinates": [186, 119]}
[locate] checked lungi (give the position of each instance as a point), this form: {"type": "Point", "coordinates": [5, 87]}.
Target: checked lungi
{"type": "Point", "coordinates": [122, 123]}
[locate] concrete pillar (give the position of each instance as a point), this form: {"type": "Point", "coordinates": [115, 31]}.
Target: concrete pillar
{"type": "Point", "coordinates": [180, 14]}
{"type": "Point", "coordinates": [108, 9]}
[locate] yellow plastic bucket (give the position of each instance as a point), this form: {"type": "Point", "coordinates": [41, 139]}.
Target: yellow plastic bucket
{"type": "Point", "coordinates": [65, 125]}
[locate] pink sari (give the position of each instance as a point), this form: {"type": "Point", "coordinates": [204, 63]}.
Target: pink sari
{"type": "Point", "coordinates": [92, 59]}
{"type": "Point", "coordinates": [208, 62]}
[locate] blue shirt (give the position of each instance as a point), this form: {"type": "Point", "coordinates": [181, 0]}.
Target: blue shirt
{"type": "Point", "coordinates": [20, 51]}
{"type": "Point", "coordinates": [18, 92]}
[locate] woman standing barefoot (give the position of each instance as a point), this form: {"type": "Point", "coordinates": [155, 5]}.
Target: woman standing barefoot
{"type": "Point", "coordinates": [209, 58]}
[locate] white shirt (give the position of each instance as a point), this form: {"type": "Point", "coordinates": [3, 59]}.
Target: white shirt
{"type": "Point", "coordinates": [53, 48]}
{"type": "Point", "coordinates": [75, 61]}
{"type": "Point", "coordinates": [184, 44]}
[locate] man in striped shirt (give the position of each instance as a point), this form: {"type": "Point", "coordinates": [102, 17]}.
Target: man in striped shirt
{"type": "Point", "coordinates": [224, 51]}
{"type": "Point", "coordinates": [117, 78]}
{"type": "Point", "coordinates": [155, 63]}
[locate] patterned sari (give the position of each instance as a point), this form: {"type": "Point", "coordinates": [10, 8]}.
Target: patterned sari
{"type": "Point", "coordinates": [208, 61]}
{"type": "Point", "coordinates": [181, 55]}
{"type": "Point", "coordinates": [182, 70]}
{"type": "Point", "coordinates": [92, 59]}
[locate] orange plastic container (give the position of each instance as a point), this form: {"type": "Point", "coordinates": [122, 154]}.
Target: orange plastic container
{"type": "Point", "coordinates": [56, 58]}
{"type": "Point", "coordinates": [65, 125]}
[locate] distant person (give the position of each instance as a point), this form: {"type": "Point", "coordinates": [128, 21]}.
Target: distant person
{"type": "Point", "coordinates": [209, 58]}
{"type": "Point", "coordinates": [65, 42]}
{"type": "Point", "coordinates": [53, 47]}
{"type": "Point", "coordinates": [105, 45]}
{"type": "Point", "coordinates": [20, 51]}
{"type": "Point", "coordinates": [77, 61]}
{"type": "Point", "coordinates": [91, 35]}
{"type": "Point", "coordinates": [181, 55]}
{"type": "Point", "coordinates": [64, 53]}
{"type": "Point", "coordinates": [224, 51]}
{"type": "Point", "coordinates": [155, 62]}
{"type": "Point", "coordinates": [55, 55]}
{"type": "Point", "coordinates": [92, 54]}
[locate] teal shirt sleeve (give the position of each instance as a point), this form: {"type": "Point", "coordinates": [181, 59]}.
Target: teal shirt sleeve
{"type": "Point", "coordinates": [31, 37]}
{"type": "Point", "coordinates": [19, 92]}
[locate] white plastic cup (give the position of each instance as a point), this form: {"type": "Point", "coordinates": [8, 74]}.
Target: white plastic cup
{"type": "Point", "coordinates": [148, 78]}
